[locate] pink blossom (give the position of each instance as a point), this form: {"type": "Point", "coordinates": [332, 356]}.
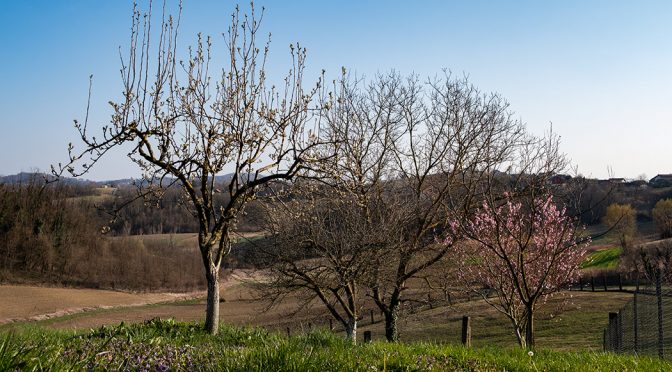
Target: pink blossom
{"type": "Point", "coordinates": [522, 252]}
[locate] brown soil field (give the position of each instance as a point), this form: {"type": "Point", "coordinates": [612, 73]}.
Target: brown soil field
{"type": "Point", "coordinates": [87, 308]}
{"type": "Point", "coordinates": [239, 306]}
{"type": "Point", "coordinates": [22, 303]}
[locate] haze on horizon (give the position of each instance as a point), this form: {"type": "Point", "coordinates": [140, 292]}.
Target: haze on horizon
{"type": "Point", "coordinates": [599, 71]}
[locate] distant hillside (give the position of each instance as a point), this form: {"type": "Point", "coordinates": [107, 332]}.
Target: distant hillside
{"type": "Point", "coordinates": [26, 177]}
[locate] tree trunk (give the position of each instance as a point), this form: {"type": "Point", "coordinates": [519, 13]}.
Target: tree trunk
{"type": "Point", "coordinates": [212, 306]}
{"type": "Point", "coordinates": [519, 333]}
{"type": "Point", "coordinates": [529, 329]}
{"type": "Point", "coordinates": [351, 330]}
{"type": "Point", "coordinates": [391, 317]}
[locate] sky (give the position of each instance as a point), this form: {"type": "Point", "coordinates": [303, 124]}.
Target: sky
{"type": "Point", "coordinates": [599, 72]}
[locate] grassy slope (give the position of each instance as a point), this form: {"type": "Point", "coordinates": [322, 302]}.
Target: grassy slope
{"type": "Point", "coordinates": [571, 322]}
{"type": "Point", "coordinates": [100, 195]}
{"type": "Point", "coordinates": [182, 346]}
{"type": "Point", "coordinates": [607, 258]}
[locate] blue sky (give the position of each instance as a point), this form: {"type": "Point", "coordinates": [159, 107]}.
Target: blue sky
{"type": "Point", "coordinates": [600, 71]}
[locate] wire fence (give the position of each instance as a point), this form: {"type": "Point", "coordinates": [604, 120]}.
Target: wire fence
{"type": "Point", "coordinates": [644, 325]}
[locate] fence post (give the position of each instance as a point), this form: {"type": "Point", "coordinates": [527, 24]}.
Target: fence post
{"type": "Point", "coordinates": [613, 317]}
{"type": "Point", "coordinates": [619, 331]}
{"type": "Point", "coordinates": [331, 324]}
{"type": "Point", "coordinates": [659, 295]}
{"type": "Point", "coordinates": [612, 331]}
{"type": "Point", "coordinates": [635, 326]}
{"type": "Point", "coordinates": [371, 316]}
{"type": "Point", "coordinates": [592, 283]}
{"type": "Point", "coordinates": [604, 281]}
{"type": "Point", "coordinates": [289, 333]}
{"type": "Point", "coordinates": [367, 336]}
{"type": "Point", "coordinates": [466, 331]}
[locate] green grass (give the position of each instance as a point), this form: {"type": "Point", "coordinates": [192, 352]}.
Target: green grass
{"type": "Point", "coordinates": [603, 259]}
{"type": "Point", "coordinates": [184, 346]}
{"type": "Point", "coordinates": [569, 321]}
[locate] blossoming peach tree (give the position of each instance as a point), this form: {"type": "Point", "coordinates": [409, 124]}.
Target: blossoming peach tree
{"type": "Point", "coordinates": [518, 254]}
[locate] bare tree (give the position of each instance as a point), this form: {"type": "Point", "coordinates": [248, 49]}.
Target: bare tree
{"type": "Point", "coordinates": [622, 222]}
{"type": "Point", "coordinates": [188, 121]}
{"type": "Point", "coordinates": [662, 217]}
{"type": "Point", "coordinates": [326, 238]}
{"type": "Point", "coordinates": [320, 247]}
{"type": "Point", "coordinates": [457, 146]}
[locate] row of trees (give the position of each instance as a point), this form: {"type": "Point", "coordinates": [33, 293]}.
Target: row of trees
{"type": "Point", "coordinates": [38, 229]}
{"type": "Point", "coordinates": [137, 217]}
{"type": "Point", "coordinates": [389, 174]}
{"type": "Point", "coordinates": [597, 196]}
{"type": "Point", "coordinates": [167, 214]}
{"type": "Point", "coordinates": [622, 219]}
{"type": "Point", "coordinates": [46, 235]}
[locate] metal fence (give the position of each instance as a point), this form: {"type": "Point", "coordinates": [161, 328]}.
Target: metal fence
{"type": "Point", "coordinates": [644, 324]}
